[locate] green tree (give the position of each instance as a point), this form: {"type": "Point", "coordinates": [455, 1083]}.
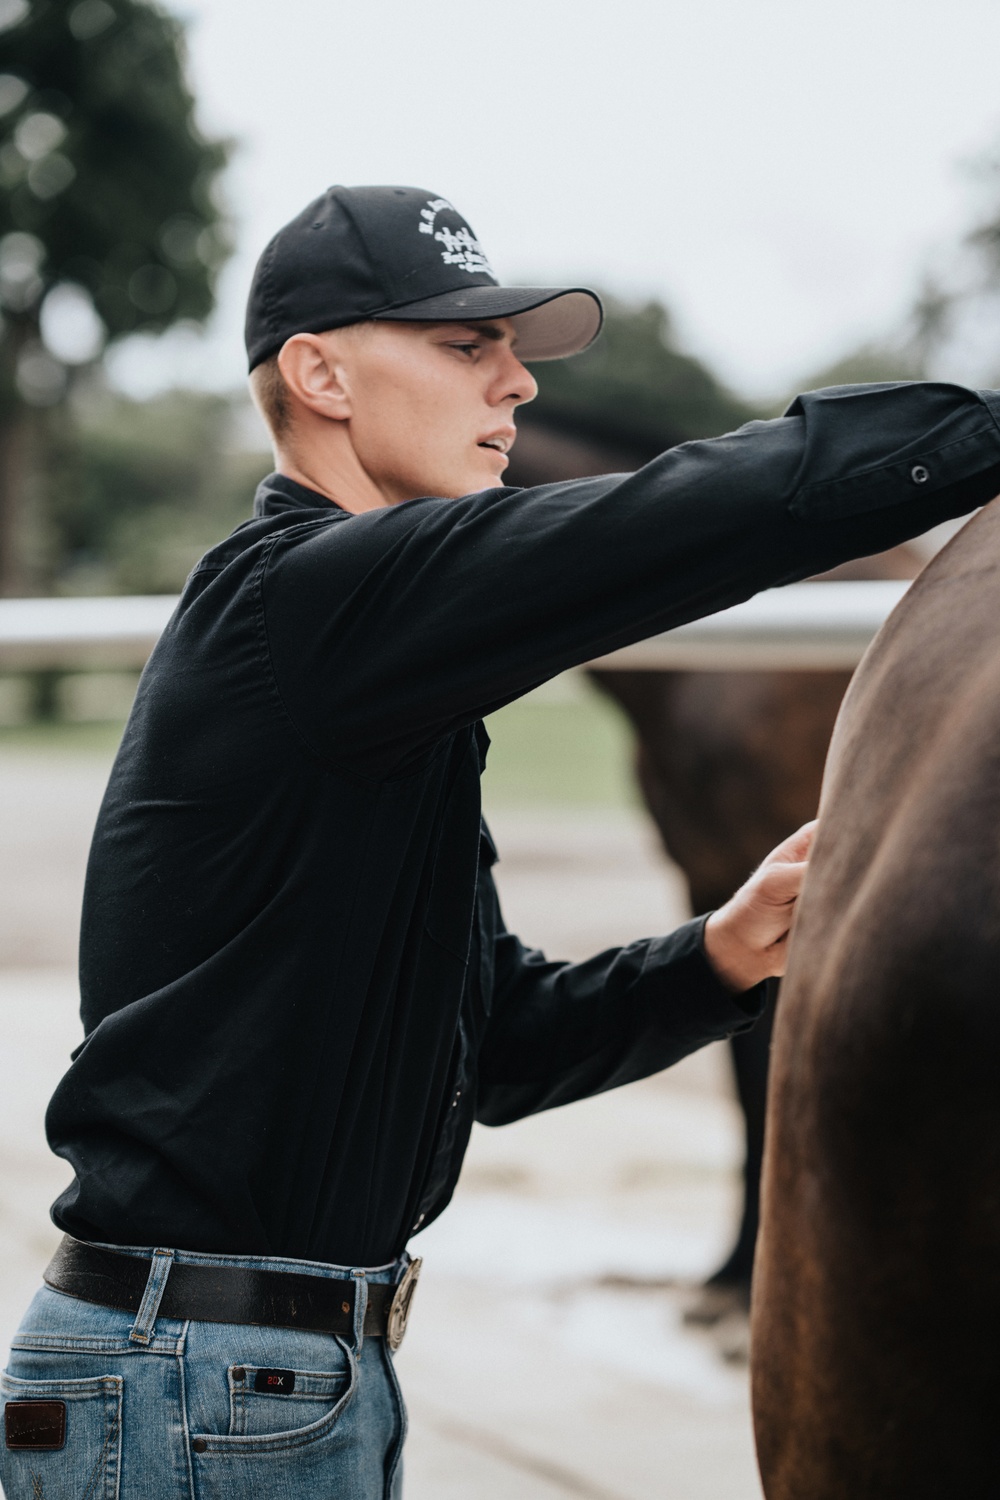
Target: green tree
{"type": "Point", "coordinates": [635, 388]}
{"type": "Point", "coordinates": [151, 485]}
{"type": "Point", "coordinates": [107, 204]}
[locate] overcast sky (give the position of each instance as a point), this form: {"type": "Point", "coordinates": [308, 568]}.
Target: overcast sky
{"type": "Point", "coordinates": [780, 172]}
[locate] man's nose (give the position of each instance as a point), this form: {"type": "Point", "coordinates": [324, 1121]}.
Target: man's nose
{"type": "Point", "coordinates": [515, 382]}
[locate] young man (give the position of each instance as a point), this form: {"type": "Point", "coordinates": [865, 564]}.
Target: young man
{"type": "Point", "coordinates": [298, 990]}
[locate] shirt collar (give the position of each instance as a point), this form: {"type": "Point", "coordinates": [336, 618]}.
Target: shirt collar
{"type": "Point", "coordinates": [278, 493]}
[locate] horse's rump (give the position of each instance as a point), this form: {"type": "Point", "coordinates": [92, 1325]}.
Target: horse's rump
{"type": "Point", "coordinates": [877, 1299]}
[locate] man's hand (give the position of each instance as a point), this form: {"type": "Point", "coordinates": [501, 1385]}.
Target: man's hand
{"type": "Point", "coordinates": [747, 939]}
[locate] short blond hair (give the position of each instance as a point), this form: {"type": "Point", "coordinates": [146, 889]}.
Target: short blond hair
{"type": "Point", "coordinates": [270, 394]}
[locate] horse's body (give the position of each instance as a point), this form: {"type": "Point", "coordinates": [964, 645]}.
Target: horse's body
{"type": "Point", "coordinates": [876, 1319]}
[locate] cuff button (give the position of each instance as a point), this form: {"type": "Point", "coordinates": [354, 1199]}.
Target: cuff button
{"type": "Point", "coordinates": [919, 474]}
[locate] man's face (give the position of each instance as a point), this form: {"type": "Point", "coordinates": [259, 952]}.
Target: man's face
{"type": "Point", "coordinates": [432, 404]}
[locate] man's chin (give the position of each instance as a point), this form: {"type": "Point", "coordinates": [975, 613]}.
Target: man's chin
{"type": "Point", "coordinates": [456, 486]}
{"type": "Point", "coordinates": [473, 484]}
{"type": "Point", "coordinates": [484, 481]}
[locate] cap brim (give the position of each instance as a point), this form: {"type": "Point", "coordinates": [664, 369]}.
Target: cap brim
{"type": "Point", "coordinates": [551, 322]}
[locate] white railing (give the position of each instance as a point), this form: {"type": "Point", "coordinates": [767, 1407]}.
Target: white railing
{"type": "Point", "coordinates": [818, 625]}
{"type": "Point", "coordinates": [75, 633]}
{"type": "Point", "coordinates": [806, 625]}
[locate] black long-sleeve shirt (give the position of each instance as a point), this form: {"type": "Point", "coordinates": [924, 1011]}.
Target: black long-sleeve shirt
{"type": "Point", "coordinates": [297, 988]}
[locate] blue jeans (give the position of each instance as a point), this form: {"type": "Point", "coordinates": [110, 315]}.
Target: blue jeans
{"type": "Point", "coordinates": [165, 1409]}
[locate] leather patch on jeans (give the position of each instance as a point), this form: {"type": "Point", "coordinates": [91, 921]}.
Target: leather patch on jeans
{"type": "Point", "coordinates": [274, 1382]}
{"type": "Point", "coordinates": [35, 1424]}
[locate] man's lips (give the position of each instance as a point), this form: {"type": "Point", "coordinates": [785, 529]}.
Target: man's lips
{"type": "Point", "coordinates": [500, 442]}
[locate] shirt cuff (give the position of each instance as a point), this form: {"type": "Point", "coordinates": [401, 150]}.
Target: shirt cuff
{"type": "Point", "coordinates": [693, 1004]}
{"type": "Point", "coordinates": [752, 1001]}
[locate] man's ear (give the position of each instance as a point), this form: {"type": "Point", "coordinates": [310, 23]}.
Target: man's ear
{"type": "Point", "coordinates": [315, 376]}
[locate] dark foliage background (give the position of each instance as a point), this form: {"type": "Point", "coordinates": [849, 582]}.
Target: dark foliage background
{"type": "Point", "coordinates": [107, 195]}
{"type": "Point", "coordinates": [635, 387]}
{"type": "Point", "coordinates": [103, 162]}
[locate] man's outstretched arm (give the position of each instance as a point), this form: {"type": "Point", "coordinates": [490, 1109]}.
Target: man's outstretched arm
{"type": "Point", "coordinates": [395, 627]}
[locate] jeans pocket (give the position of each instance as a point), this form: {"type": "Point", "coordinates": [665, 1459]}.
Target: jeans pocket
{"type": "Point", "coordinates": [264, 1401]}
{"type": "Point", "coordinates": [289, 1462]}
{"type": "Point", "coordinates": [62, 1438]}
{"type": "Point", "coordinates": [351, 1451]}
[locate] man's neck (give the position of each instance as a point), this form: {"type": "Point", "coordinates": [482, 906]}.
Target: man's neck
{"type": "Point", "coordinates": [345, 484]}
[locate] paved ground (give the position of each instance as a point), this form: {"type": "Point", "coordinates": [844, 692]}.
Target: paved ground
{"type": "Point", "coordinates": [547, 1357]}
{"type": "Point", "coordinates": [48, 803]}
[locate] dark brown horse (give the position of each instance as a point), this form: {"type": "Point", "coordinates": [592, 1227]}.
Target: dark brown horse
{"type": "Point", "coordinates": [876, 1318]}
{"type": "Point", "coordinates": [729, 764]}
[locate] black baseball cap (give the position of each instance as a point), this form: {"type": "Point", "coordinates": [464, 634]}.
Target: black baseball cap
{"type": "Point", "coordinates": [399, 254]}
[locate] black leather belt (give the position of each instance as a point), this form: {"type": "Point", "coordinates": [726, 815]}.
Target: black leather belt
{"type": "Point", "coordinates": [233, 1294]}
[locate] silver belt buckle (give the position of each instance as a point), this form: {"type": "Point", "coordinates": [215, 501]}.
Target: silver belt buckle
{"type": "Point", "coordinates": [399, 1308]}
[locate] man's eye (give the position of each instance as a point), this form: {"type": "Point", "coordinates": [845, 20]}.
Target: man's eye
{"type": "Point", "coordinates": [466, 348]}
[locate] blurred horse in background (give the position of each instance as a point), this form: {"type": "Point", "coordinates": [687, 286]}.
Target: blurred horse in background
{"type": "Point", "coordinates": [876, 1314]}
{"type": "Point", "coordinates": [728, 765]}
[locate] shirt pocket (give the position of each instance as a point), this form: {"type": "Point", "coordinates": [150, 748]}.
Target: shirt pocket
{"type": "Point", "coordinates": [265, 1401]}
{"type": "Point", "coordinates": [62, 1437]}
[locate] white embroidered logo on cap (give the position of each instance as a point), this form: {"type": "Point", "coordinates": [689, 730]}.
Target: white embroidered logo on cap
{"type": "Point", "coordinates": [460, 247]}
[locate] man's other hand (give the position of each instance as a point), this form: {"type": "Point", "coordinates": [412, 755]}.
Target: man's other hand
{"type": "Point", "coordinates": [747, 939]}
